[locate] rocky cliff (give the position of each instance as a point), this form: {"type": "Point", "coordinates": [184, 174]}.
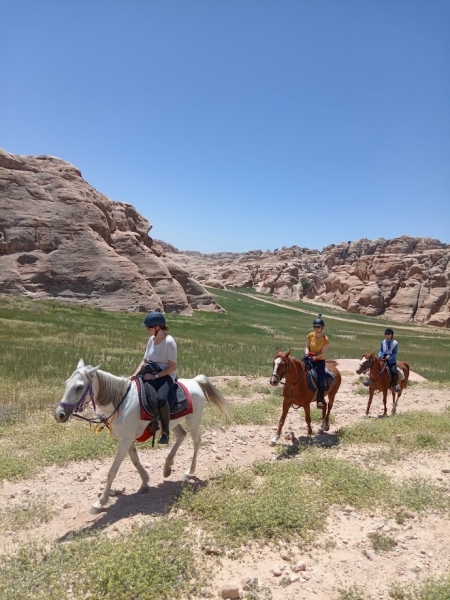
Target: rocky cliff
{"type": "Point", "coordinates": [407, 279]}
{"type": "Point", "coordinates": [60, 238]}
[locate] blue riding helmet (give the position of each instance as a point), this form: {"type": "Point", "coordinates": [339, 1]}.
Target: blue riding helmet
{"type": "Point", "coordinates": [154, 318]}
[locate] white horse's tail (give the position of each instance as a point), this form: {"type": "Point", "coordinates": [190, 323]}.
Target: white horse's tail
{"type": "Point", "coordinates": [213, 395]}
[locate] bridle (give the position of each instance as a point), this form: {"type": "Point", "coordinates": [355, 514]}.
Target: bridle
{"type": "Point", "coordinates": [290, 386]}
{"type": "Point", "coordinates": [280, 377]}
{"type": "Point", "coordinates": [82, 402]}
{"type": "Point", "coordinates": [371, 363]}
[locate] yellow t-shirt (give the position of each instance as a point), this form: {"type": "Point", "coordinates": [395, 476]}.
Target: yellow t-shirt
{"type": "Point", "coordinates": [316, 344]}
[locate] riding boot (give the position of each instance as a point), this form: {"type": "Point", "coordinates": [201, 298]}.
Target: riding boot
{"type": "Point", "coordinates": [395, 385]}
{"type": "Point", "coordinates": [164, 415]}
{"type": "Point", "coordinates": [320, 396]}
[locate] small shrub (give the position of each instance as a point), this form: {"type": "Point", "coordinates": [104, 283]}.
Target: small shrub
{"type": "Point", "coordinates": [383, 543]}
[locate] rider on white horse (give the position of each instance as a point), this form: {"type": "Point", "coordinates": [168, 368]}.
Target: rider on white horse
{"type": "Point", "coordinates": [162, 351]}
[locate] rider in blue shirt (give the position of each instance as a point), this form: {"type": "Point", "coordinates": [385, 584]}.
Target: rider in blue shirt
{"type": "Point", "coordinates": [388, 353]}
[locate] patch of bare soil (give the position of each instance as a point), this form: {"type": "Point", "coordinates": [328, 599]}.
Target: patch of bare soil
{"type": "Point", "coordinates": [343, 555]}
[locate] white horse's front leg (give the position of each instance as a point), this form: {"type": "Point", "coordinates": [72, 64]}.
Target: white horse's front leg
{"type": "Point", "coordinates": [142, 472]}
{"type": "Point", "coordinates": [103, 500]}
{"type": "Point", "coordinates": [180, 434]}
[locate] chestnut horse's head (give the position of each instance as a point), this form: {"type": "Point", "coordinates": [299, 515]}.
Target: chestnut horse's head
{"type": "Point", "coordinates": [365, 363]}
{"type": "Point", "coordinates": [281, 364]}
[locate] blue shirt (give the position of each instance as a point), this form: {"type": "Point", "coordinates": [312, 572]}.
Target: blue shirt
{"type": "Point", "coordinates": [389, 347]}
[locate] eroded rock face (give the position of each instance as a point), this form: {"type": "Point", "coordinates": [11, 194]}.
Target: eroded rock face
{"type": "Point", "coordinates": [60, 238]}
{"type": "Point", "coordinates": [406, 278]}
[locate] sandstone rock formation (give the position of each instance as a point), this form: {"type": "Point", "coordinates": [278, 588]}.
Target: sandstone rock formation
{"type": "Point", "coordinates": [60, 238]}
{"type": "Point", "coordinates": [407, 279]}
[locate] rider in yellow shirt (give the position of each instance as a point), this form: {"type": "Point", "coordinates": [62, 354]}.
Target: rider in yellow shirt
{"type": "Point", "coordinates": [317, 345]}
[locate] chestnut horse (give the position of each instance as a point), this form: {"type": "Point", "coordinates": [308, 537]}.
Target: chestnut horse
{"type": "Point", "coordinates": [377, 371]}
{"type": "Point", "coordinates": [296, 391]}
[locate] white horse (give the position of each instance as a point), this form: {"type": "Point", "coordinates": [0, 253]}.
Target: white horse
{"type": "Point", "coordinates": [118, 399]}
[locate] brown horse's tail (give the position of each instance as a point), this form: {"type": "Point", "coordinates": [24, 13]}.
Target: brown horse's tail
{"type": "Point", "coordinates": [406, 370]}
{"type": "Point", "coordinates": [213, 395]}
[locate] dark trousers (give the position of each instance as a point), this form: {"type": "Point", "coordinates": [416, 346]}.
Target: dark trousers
{"type": "Point", "coordinates": [157, 384]}
{"type": "Point", "coordinates": [394, 373]}
{"type": "Point", "coordinates": [319, 366]}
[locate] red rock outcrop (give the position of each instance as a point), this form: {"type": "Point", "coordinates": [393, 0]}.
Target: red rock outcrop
{"type": "Point", "coordinates": [407, 279]}
{"type": "Point", "coordinates": [60, 238]}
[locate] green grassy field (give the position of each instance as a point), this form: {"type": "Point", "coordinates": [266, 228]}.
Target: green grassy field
{"type": "Point", "coordinates": [41, 342]}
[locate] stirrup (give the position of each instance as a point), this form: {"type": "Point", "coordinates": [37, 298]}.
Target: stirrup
{"type": "Point", "coordinates": [397, 388]}
{"type": "Point", "coordinates": [164, 439]}
{"type": "Point", "coordinates": [367, 382]}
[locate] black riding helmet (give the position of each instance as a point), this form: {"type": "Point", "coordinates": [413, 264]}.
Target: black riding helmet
{"type": "Point", "coordinates": [154, 318]}
{"type": "Point", "coordinates": [319, 322]}
{"type": "Point", "coordinates": [388, 330]}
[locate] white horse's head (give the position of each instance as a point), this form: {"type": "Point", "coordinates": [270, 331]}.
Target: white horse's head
{"type": "Point", "coordinates": [78, 391]}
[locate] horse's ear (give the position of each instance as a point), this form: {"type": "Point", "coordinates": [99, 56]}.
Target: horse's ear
{"type": "Point", "coordinates": [288, 352]}
{"type": "Point", "coordinates": [91, 370]}
{"type": "Point", "coordinates": [277, 350]}
{"type": "Point", "coordinates": [80, 364]}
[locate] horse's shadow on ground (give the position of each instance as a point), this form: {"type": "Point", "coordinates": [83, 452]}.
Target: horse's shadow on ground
{"type": "Point", "coordinates": [157, 502]}
{"type": "Point", "coordinates": [298, 445]}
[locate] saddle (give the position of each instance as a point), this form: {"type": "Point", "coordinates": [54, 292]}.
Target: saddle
{"type": "Point", "coordinates": [400, 372]}
{"type": "Point", "coordinates": [311, 375]}
{"type": "Point", "coordinates": [180, 403]}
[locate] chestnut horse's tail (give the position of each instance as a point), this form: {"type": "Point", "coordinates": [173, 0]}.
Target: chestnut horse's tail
{"type": "Point", "coordinates": [406, 370]}
{"type": "Point", "coordinates": [213, 395]}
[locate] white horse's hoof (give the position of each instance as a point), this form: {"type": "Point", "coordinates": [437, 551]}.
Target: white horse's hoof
{"type": "Point", "coordinates": [274, 440]}
{"type": "Point", "coordinates": [95, 509]}
{"type": "Point", "coordinates": [185, 477]}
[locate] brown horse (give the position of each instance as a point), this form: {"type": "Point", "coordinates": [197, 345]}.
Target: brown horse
{"type": "Point", "coordinates": [378, 373]}
{"type": "Point", "coordinates": [296, 391]}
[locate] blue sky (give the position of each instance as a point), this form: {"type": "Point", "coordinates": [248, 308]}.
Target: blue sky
{"type": "Point", "coordinates": [235, 125]}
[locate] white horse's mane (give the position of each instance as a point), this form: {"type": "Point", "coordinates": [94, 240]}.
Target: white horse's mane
{"type": "Point", "coordinates": [111, 388]}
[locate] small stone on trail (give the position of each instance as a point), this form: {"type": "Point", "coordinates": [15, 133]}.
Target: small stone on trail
{"type": "Point", "coordinates": [277, 572]}
{"type": "Point", "coordinates": [230, 590]}
{"type": "Point", "coordinates": [212, 550]}
{"type": "Point", "coordinates": [298, 567]}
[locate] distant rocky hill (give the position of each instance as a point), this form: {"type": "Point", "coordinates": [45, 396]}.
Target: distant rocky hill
{"type": "Point", "coordinates": [60, 238]}
{"type": "Point", "coordinates": [406, 278]}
